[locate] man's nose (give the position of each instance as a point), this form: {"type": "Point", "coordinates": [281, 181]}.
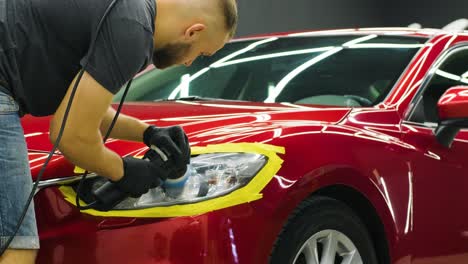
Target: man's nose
{"type": "Point", "coordinates": [188, 63]}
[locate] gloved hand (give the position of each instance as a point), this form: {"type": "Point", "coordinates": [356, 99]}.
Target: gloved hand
{"type": "Point", "coordinates": [174, 171]}
{"type": "Point", "coordinates": [172, 141]}
{"type": "Point", "coordinates": [142, 175]}
{"type": "Point", "coordinates": [174, 185]}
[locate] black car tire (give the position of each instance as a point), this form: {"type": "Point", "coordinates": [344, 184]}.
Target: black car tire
{"type": "Point", "coordinates": [317, 214]}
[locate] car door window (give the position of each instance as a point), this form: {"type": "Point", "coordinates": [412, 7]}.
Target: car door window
{"type": "Point", "coordinates": [451, 70]}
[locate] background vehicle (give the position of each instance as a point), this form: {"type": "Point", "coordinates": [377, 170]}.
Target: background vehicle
{"type": "Point", "coordinates": [348, 117]}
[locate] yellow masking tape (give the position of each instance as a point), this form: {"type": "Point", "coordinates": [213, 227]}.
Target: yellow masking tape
{"type": "Point", "coordinates": [248, 193]}
{"type": "Point", "coordinates": [79, 170]}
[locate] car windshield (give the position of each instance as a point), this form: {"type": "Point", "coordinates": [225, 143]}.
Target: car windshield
{"type": "Point", "coordinates": [348, 70]}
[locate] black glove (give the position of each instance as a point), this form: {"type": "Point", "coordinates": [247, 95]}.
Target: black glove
{"type": "Point", "coordinates": [141, 175]}
{"type": "Point", "coordinates": [173, 171]}
{"type": "Point", "coordinates": [172, 141]}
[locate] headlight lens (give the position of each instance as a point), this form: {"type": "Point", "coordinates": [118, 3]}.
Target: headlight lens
{"type": "Point", "coordinates": [208, 176]}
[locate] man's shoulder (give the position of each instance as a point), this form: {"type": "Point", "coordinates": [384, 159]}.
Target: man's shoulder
{"type": "Point", "coordinates": [140, 12]}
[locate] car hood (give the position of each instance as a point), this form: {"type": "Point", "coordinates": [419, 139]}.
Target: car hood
{"type": "Point", "coordinates": [205, 122]}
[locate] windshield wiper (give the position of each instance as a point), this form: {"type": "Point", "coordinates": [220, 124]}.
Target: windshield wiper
{"type": "Point", "coordinates": [197, 98]}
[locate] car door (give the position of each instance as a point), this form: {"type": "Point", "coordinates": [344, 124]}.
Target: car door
{"type": "Point", "coordinates": [438, 211]}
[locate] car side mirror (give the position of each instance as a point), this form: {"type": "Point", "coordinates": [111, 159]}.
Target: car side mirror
{"type": "Point", "coordinates": [453, 114]}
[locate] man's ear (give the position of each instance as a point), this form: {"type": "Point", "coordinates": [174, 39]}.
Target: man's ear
{"type": "Point", "coordinates": [193, 32]}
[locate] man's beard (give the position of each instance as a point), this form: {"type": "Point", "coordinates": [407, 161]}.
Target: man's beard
{"type": "Point", "coordinates": [170, 55]}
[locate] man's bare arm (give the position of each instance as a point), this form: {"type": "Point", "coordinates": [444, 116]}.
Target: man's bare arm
{"type": "Point", "coordinates": [81, 142]}
{"type": "Point", "coordinates": [126, 127]}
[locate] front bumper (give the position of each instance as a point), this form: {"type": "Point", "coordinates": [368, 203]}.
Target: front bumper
{"type": "Point", "coordinates": [239, 234]}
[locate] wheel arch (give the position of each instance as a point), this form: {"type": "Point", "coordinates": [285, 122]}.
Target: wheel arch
{"type": "Point", "coordinates": [366, 212]}
{"type": "Point", "coordinates": [357, 191]}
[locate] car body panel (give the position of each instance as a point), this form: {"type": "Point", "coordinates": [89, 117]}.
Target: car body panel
{"type": "Point", "coordinates": [439, 211]}
{"type": "Point", "coordinates": [394, 164]}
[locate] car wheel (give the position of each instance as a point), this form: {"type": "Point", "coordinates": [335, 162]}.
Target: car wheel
{"type": "Point", "coordinates": [323, 231]}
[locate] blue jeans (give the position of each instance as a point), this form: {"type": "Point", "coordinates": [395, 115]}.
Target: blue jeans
{"type": "Point", "coordinates": [15, 179]}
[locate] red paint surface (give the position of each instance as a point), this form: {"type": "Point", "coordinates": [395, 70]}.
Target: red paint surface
{"type": "Point", "coordinates": [416, 187]}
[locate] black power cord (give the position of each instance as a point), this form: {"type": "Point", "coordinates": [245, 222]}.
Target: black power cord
{"type": "Point", "coordinates": [111, 126]}
{"type": "Point", "coordinates": [62, 127]}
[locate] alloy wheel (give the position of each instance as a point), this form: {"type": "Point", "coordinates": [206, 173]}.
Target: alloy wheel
{"type": "Point", "coordinates": [328, 247]}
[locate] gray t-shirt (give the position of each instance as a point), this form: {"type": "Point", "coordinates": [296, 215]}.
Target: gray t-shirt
{"type": "Point", "coordinates": [43, 43]}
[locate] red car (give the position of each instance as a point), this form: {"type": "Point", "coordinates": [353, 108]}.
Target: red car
{"type": "Point", "coordinates": [343, 146]}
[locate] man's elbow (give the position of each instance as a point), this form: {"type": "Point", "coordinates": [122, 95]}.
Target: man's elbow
{"type": "Point", "coordinates": [53, 138]}
{"type": "Point", "coordinates": [54, 133]}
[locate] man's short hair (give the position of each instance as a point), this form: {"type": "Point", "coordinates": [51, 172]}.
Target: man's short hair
{"type": "Point", "coordinates": [229, 9]}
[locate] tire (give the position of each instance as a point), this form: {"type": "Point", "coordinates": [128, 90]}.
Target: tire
{"type": "Point", "coordinates": [323, 220]}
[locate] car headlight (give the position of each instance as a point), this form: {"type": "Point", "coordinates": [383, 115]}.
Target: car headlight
{"type": "Point", "coordinates": [219, 176]}
{"type": "Point", "coordinates": [208, 176]}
